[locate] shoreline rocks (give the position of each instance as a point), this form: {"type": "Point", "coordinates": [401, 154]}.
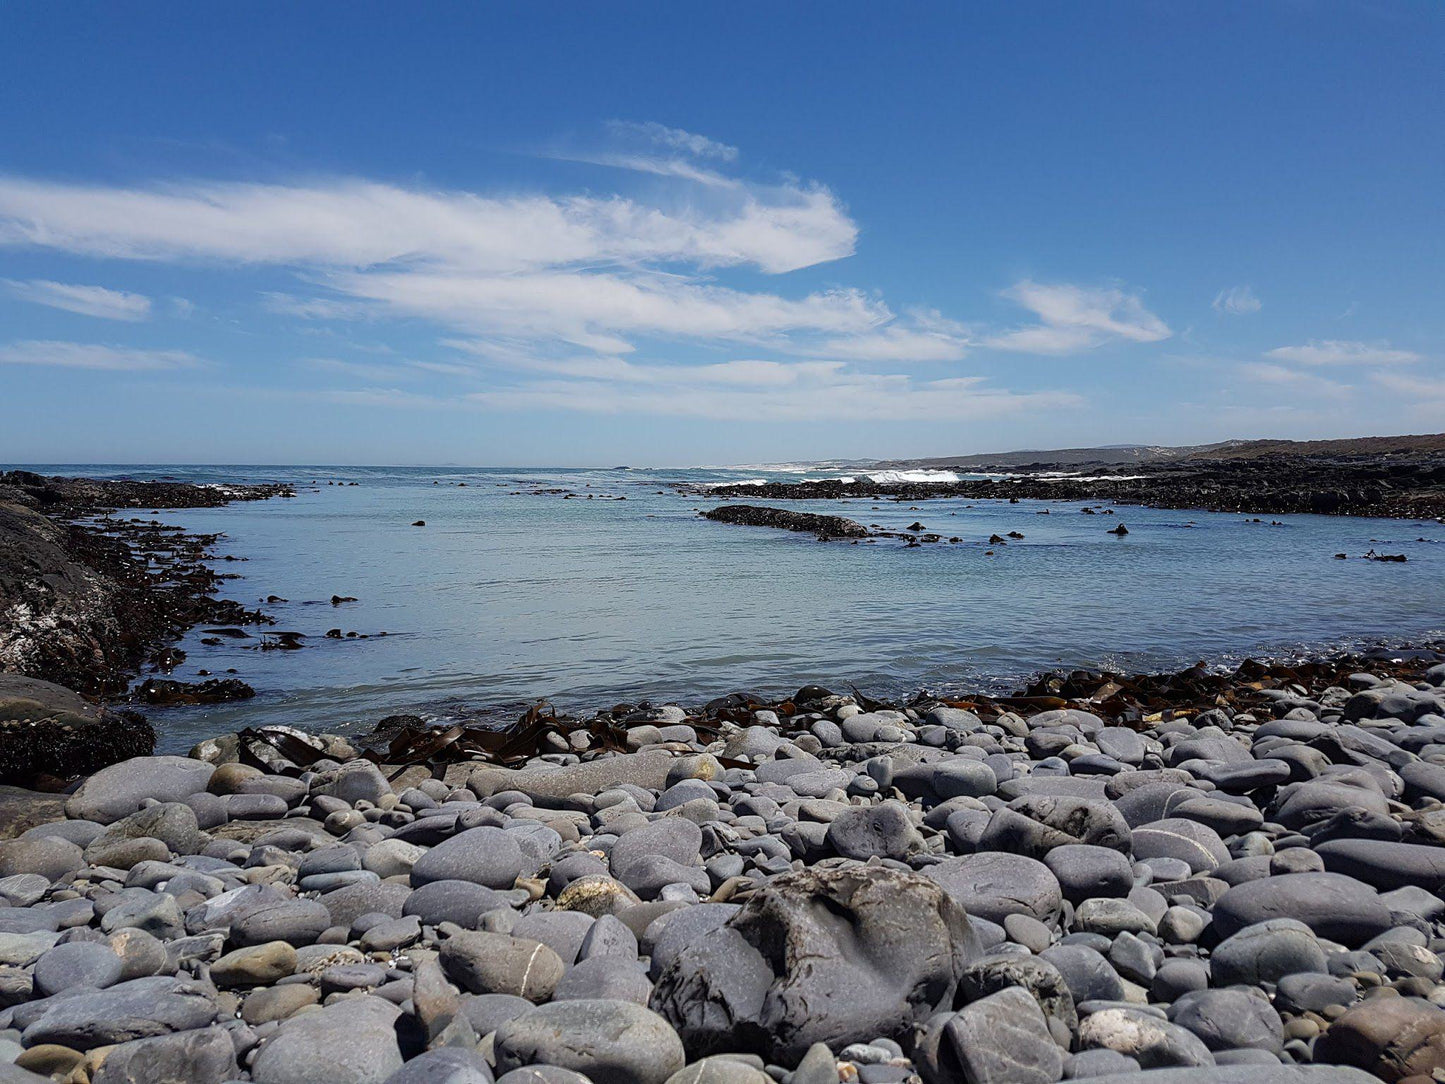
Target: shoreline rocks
{"type": "Point", "coordinates": [1202, 876]}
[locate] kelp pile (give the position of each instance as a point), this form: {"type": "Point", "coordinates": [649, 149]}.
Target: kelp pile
{"type": "Point", "coordinates": [1138, 701]}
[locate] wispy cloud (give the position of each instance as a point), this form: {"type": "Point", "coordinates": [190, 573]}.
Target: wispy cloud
{"type": "Point", "coordinates": [86, 300]}
{"type": "Point", "coordinates": [357, 225]}
{"type": "Point", "coordinates": [1417, 387]}
{"type": "Point", "coordinates": [1281, 376]}
{"type": "Point", "coordinates": [678, 139]}
{"type": "Point", "coordinates": [69, 355]}
{"type": "Point", "coordinates": [1237, 301]}
{"type": "Point", "coordinates": [1076, 318]}
{"type": "Point", "coordinates": [1340, 352]}
{"type": "Point", "coordinates": [791, 396]}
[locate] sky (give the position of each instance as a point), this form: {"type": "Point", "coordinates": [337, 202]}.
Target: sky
{"type": "Point", "coordinates": [663, 234]}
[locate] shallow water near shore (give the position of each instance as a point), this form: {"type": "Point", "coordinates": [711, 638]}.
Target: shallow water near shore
{"type": "Point", "coordinates": [508, 595]}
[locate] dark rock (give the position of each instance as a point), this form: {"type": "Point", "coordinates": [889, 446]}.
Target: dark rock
{"type": "Point", "coordinates": [611, 1042]}
{"type": "Point", "coordinates": [822, 955]}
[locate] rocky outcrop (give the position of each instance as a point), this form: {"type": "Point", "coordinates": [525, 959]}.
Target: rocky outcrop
{"type": "Point", "coordinates": [46, 730]}
{"type": "Point", "coordinates": [757, 516]}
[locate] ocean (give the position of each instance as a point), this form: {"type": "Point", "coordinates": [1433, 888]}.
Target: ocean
{"type": "Point", "coordinates": [515, 592]}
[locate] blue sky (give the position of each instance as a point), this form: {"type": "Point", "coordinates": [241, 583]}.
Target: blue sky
{"type": "Point", "coordinates": [680, 234]}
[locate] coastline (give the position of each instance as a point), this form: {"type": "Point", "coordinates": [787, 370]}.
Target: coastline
{"type": "Point", "coordinates": [1398, 486]}
{"type": "Point", "coordinates": [1215, 870]}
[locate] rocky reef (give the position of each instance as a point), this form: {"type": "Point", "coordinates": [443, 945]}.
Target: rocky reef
{"type": "Point", "coordinates": [1407, 485]}
{"type": "Point", "coordinates": [86, 599]}
{"type": "Point", "coordinates": [1183, 878]}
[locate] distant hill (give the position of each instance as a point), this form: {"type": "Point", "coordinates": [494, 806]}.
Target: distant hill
{"type": "Point", "coordinates": [1123, 455]}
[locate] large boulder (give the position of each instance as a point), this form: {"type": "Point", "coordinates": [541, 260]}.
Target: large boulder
{"type": "Point", "coordinates": [351, 1041]}
{"type": "Point", "coordinates": [47, 730]}
{"type": "Point", "coordinates": [837, 955]}
{"type": "Point", "coordinates": [120, 790]}
{"type": "Point", "coordinates": [609, 1041]}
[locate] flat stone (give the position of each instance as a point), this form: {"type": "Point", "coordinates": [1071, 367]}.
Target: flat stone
{"type": "Point", "coordinates": [78, 963]}
{"type": "Point", "coordinates": [138, 1009]}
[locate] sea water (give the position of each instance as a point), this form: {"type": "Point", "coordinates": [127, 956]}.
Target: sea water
{"type": "Point", "coordinates": [511, 594]}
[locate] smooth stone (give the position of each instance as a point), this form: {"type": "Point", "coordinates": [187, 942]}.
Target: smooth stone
{"type": "Point", "coordinates": [79, 963]}
{"type": "Point", "coordinates": [204, 1056]}
{"type": "Point", "coordinates": [1152, 1042]}
{"type": "Point", "coordinates": [612, 1042]}
{"type": "Point", "coordinates": [351, 1041]}
{"type": "Point", "coordinates": [1267, 952]}
{"type": "Point", "coordinates": [119, 790]}
{"type": "Point", "coordinates": [604, 977]}
{"type": "Point", "coordinates": [1085, 871]}
{"type": "Point", "coordinates": [1230, 1019]}
{"type": "Point", "coordinates": [1334, 906]}
{"type": "Point", "coordinates": [497, 963]}
{"type": "Point", "coordinates": [487, 856]}
{"type": "Point", "coordinates": [995, 885]}
{"type": "Point", "coordinates": [460, 902]}
{"type": "Point", "coordinates": [1386, 865]}
{"type": "Point", "coordinates": [257, 965]}
{"type": "Point", "coordinates": [138, 1009]}
{"type": "Point", "coordinates": [447, 1065]}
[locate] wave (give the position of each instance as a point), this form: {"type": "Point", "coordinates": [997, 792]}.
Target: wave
{"type": "Point", "coordinates": [895, 476]}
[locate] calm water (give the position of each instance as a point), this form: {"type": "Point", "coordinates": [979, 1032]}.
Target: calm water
{"type": "Point", "coordinates": [502, 598]}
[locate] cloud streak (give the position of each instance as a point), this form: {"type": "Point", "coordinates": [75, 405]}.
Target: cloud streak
{"type": "Point", "coordinates": [1077, 318]}
{"type": "Point", "coordinates": [1340, 352]}
{"type": "Point", "coordinates": [70, 355]}
{"type": "Point", "coordinates": [1237, 301]}
{"type": "Point", "coordinates": [86, 300]}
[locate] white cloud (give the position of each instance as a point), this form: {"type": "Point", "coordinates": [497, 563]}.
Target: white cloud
{"type": "Point", "coordinates": [599, 311]}
{"type": "Point", "coordinates": [1263, 372]}
{"type": "Point", "coordinates": [836, 395]}
{"type": "Point", "coordinates": [68, 355]}
{"type": "Point", "coordinates": [1237, 301]}
{"type": "Point", "coordinates": [86, 300]}
{"type": "Point", "coordinates": [358, 224]}
{"type": "Point", "coordinates": [1340, 352]}
{"type": "Point", "coordinates": [1417, 387]}
{"type": "Point", "coordinates": [1076, 318]}
{"type": "Point", "coordinates": [674, 138]}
